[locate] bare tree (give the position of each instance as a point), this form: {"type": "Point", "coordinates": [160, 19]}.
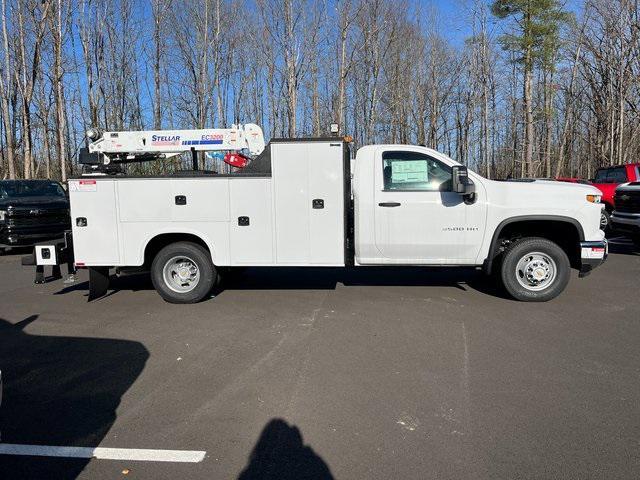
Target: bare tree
{"type": "Point", "coordinates": [561, 103]}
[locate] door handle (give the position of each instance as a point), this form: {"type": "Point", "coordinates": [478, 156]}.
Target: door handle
{"type": "Point", "coordinates": [389, 204]}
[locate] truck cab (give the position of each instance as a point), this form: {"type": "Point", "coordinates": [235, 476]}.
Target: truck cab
{"type": "Point", "coordinates": [408, 211]}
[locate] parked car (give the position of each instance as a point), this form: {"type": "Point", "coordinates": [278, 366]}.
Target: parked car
{"type": "Point", "coordinates": [626, 216]}
{"type": "Point", "coordinates": [32, 211]}
{"type": "Point", "coordinates": [607, 180]}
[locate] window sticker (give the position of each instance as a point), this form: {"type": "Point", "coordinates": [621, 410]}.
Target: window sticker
{"type": "Point", "coordinates": [409, 171]}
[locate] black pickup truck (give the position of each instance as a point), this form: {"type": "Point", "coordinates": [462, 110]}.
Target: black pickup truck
{"type": "Point", "coordinates": [32, 211]}
{"type": "Point", "coordinates": [626, 216]}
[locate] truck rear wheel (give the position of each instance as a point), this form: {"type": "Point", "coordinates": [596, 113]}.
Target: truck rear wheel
{"type": "Point", "coordinates": [183, 273]}
{"type": "Point", "coordinates": [535, 270]}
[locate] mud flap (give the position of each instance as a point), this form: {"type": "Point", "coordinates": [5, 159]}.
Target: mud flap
{"type": "Point", "coordinates": [39, 275]}
{"type": "Point", "coordinates": [98, 282]}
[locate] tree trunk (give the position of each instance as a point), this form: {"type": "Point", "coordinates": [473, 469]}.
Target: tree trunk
{"type": "Point", "coordinates": [548, 116]}
{"type": "Point", "coordinates": [59, 93]}
{"type": "Point", "coordinates": [527, 161]}
{"type": "Point", "coordinates": [5, 94]}
{"type": "Point", "coordinates": [157, 41]}
{"type": "Point", "coordinates": [290, 61]}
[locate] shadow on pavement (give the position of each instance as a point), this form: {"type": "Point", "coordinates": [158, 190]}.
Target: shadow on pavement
{"type": "Point", "coordinates": [322, 278]}
{"type": "Point", "coordinates": [61, 391]}
{"type": "Point", "coordinates": [281, 454]}
{"type": "Point", "coordinates": [285, 278]}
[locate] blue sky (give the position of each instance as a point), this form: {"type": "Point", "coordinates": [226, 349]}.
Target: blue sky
{"type": "Point", "coordinates": [454, 15]}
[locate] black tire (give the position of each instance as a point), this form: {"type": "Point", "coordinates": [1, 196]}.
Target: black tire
{"type": "Point", "coordinates": [553, 258]}
{"type": "Point", "coordinates": [199, 257]}
{"type": "Point", "coordinates": [636, 240]}
{"type": "Point", "coordinates": [605, 221]}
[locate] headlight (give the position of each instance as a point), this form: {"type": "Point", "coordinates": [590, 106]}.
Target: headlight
{"type": "Point", "coordinates": [3, 214]}
{"type": "Point", "coordinates": [594, 198]}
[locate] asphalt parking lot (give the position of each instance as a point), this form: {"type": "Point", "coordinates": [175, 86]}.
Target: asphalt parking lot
{"type": "Point", "coordinates": [316, 374]}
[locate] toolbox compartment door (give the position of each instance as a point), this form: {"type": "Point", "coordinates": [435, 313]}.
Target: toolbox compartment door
{"type": "Point", "coordinates": [93, 204]}
{"type": "Point", "coordinates": [308, 182]}
{"type": "Point", "coordinates": [251, 226]}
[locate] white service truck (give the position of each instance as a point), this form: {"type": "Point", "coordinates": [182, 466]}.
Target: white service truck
{"type": "Point", "coordinates": [306, 202]}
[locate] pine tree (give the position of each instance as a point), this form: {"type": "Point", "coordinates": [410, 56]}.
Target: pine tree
{"type": "Point", "coordinates": [535, 39]}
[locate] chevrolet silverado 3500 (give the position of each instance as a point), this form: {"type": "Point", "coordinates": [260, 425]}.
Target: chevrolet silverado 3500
{"type": "Point", "coordinates": [299, 204]}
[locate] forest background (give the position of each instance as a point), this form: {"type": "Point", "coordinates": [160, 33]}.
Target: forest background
{"type": "Point", "coordinates": [512, 88]}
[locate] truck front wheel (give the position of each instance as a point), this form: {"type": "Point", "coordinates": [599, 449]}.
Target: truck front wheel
{"type": "Point", "coordinates": [535, 270]}
{"type": "Point", "coordinates": [605, 221]}
{"type": "Point", "coordinates": [183, 273]}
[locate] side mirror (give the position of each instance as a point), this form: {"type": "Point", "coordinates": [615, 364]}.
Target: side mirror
{"type": "Point", "coordinates": [460, 181]}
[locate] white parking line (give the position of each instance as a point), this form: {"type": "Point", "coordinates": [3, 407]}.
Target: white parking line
{"type": "Point", "coordinates": [134, 454]}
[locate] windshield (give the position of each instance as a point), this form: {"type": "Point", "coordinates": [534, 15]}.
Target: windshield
{"type": "Point", "coordinates": [20, 189]}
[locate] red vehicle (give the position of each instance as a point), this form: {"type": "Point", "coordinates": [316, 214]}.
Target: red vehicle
{"type": "Point", "coordinates": [608, 178]}
{"type": "Point", "coordinates": [605, 217]}
{"type": "Point", "coordinates": [573, 180]}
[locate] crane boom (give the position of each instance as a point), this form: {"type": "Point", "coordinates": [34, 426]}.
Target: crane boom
{"type": "Point", "coordinates": [155, 144]}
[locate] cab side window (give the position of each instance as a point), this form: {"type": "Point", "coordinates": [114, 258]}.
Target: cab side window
{"type": "Point", "coordinates": [410, 171]}
{"type": "Point", "coordinates": [612, 175]}
{"type": "Point", "coordinates": [601, 175]}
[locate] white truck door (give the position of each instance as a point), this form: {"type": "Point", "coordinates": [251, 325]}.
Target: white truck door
{"type": "Point", "coordinates": [417, 218]}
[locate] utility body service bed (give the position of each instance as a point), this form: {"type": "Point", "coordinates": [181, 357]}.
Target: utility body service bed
{"type": "Point", "coordinates": [292, 215]}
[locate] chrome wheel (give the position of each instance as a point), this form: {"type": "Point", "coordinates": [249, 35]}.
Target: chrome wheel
{"type": "Point", "coordinates": [604, 221]}
{"type": "Point", "coordinates": [181, 274]}
{"type": "Point", "coordinates": [536, 271]}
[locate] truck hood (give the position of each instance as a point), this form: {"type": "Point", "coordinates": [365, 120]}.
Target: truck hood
{"type": "Point", "coordinates": [44, 203]}
{"type": "Point", "coordinates": [541, 194]}
{"type": "Point", "coordinates": [551, 186]}
{"type": "Point", "coordinates": [629, 187]}
{"type": "Point", "coordinates": [587, 189]}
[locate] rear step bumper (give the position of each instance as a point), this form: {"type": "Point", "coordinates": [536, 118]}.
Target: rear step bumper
{"type": "Point", "coordinates": [53, 254]}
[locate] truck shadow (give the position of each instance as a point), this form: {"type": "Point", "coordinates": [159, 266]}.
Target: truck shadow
{"type": "Point", "coordinates": [60, 391]}
{"type": "Point", "coordinates": [280, 454]}
{"type": "Point", "coordinates": [322, 278]}
{"type": "Point", "coordinates": [285, 278]}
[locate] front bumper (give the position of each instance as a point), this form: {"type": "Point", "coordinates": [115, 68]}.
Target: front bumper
{"type": "Point", "coordinates": [592, 255]}
{"type": "Point", "coordinates": [628, 223]}
{"type": "Point", "coordinates": [19, 236]}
